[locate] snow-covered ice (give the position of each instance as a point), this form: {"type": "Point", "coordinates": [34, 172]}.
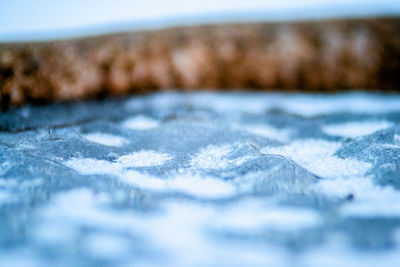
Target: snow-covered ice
{"type": "Point", "coordinates": [200, 179]}
{"type": "Point", "coordinates": [356, 128]}
{"type": "Point", "coordinates": [105, 139]}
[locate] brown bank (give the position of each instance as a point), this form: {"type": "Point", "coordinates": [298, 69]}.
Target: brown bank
{"type": "Point", "coordinates": [307, 56]}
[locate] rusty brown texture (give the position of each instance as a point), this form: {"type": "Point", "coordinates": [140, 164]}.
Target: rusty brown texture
{"type": "Point", "coordinates": [329, 55]}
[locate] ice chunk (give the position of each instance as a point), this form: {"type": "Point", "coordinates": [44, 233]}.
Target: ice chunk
{"type": "Point", "coordinates": [274, 174]}
{"type": "Point", "coordinates": [381, 150]}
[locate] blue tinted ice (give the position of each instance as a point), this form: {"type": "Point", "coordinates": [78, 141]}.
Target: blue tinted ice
{"type": "Point", "coordinates": [202, 179]}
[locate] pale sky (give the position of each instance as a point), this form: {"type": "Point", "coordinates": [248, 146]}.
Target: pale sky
{"type": "Point", "coordinates": [18, 17]}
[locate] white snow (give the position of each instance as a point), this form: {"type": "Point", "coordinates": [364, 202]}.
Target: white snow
{"type": "Point", "coordinates": [140, 122]}
{"type": "Point", "coordinates": [144, 158]}
{"type": "Point", "coordinates": [195, 185]}
{"type": "Point", "coordinates": [342, 177]}
{"type": "Point", "coordinates": [212, 157]}
{"type": "Point", "coordinates": [205, 187]}
{"type": "Point", "coordinates": [355, 129]}
{"type": "Point", "coordinates": [318, 157]}
{"type": "Point", "coordinates": [216, 157]}
{"type": "Point", "coordinates": [196, 218]}
{"type": "Point", "coordinates": [87, 166]}
{"type": "Point", "coordinates": [105, 139]}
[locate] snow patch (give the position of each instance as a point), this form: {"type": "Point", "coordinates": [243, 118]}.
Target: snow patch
{"type": "Point", "coordinates": [88, 166]}
{"type": "Point", "coordinates": [140, 122]}
{"type": "Point", "coordinates": [144, 158]}
{"type": "Point", "coordinates": [212, 157]}
{"type": "Point", "coordinates": [198, 186]}
{"type": "Point", "coordinates": [194, 185]}
{"type": "Point", "coordinates": [355, 128]}
{"type": "Point", "coordinates": [215, 157]}
{"type": "Point", "coordinates": [105, 139]}
{"type": "Point", "coordinates": [318, 157]}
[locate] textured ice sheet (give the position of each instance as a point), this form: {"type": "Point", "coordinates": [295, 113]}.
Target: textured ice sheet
{"type": "Point", "coordinates": [202, 179]}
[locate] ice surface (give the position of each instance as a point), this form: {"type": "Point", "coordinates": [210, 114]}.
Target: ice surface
{"type": "Point", "coordinates": [265, 130]}
{"type": "Point", "coordinates": [189, 179]}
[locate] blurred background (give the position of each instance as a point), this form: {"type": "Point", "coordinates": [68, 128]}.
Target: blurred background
{"type": "Point", "coordinates": [258, 45]}
{"type": "Point", "coordinates": [23, 19]}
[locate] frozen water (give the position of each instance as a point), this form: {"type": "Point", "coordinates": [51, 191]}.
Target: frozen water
{"type": "Point", "coordinates": [382, 150]}
{"type": "Point", "coordinates": [189, 179]}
